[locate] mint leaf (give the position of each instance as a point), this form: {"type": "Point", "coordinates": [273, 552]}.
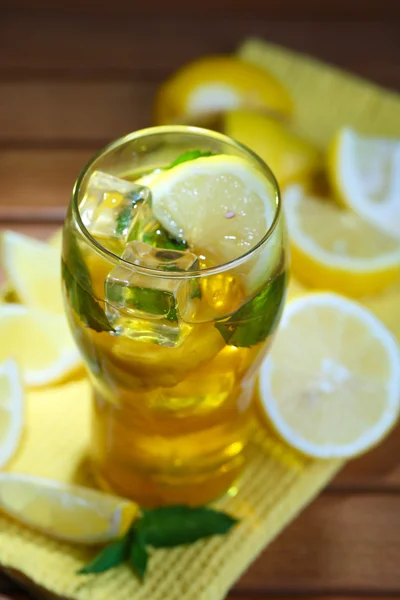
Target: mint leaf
{"type": "Point", "coordinates": [257, 319]}
{"type": "Point", "coordinates": [171, 526]}
{"type": "Point", "coordinates": [125, 216]}
{"type": "Point", "coordinates": [89, 311]}
{"type": "Point", "coordinates": [139, 557]}
{"type": "Point", "coordinates": [189, 155]}
{"type": "Point", "coordinates": [146, 300]}
{"type": "Point", "coordinates": [79, 289]}
{"type": "Point", "coordinates": [124, 219]}
{"type": "Point", "coordinates": [112, 556]}
{"type": "Point", "coordinates": [160, 238]}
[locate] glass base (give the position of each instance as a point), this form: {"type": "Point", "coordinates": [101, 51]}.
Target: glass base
{"type": "Point", "coordinates": [160, 490]}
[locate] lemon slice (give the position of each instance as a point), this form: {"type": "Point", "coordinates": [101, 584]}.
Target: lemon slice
{"type": "Point", "coordinates": [40, 342]}
{"type": "Point", "coordinates": [336, 249]}
{"type": "Point", "coordinates": [331, 384]}
{"type": "Point", "coordinates": [11, 410]}
{"type": "Point", "coordinates": [213, 84]}
{"type": "Point", "coordinates": [34, 270]}
{"type": "Point", "coordinates": [67, 512]}
{"type": "Point", "coordinates": [291, 158]}
{"type": "Point", "coordinates": [222, 205]}
{"type": "Point", "coordinates": [365, 174]}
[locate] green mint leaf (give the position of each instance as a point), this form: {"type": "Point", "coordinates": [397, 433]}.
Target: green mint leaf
{"type": "Point", "coordinates": [124, 219]}
{"type": "Point", "coordinates": [139, 557]}
{"type": "Point", "coordinates": [76, 263]}
{"type": "Point", "coordinates": [189, 155]}
{"type": "Point", "coordinates": [160, 238]}
{"type": "Point", "coordinates": [89, 310]}
{"type": "Point", "coordinates": [125, 216]}
{"type": "Point", "coordinates": [258, 318]}
{"type": "Point", "coordinates": [171, 526]}
{"type": "Point", "coordinates": [112, 556]}
{"type": "Point", "coordinates": [195, 289]}
{"type": "Point", "coordinates": [146, 300]}
{"type": "Point", "coordinates": [79, 288]}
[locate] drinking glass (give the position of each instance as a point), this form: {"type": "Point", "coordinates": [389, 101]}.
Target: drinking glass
{"type": "Point", "coordinates": [171, 344]}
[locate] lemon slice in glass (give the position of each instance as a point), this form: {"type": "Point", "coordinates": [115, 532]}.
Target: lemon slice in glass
{"type": "Point", "coordinates": [331, 384]}
{"type": "Point", "coordinates": [222, 205]}
{"type": "Point", "coordinates": [66, 512]}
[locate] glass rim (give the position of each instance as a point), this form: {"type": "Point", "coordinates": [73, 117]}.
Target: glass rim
{"type": "Point", "coordinates": [179, 129]}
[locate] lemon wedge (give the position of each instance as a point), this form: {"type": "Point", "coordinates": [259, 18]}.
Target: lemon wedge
{"type": "Point", "coordinates": [11, 410]}
{"type": "Point", "coordinates": [66, 512]}
{"type": "Point", "coordinates": [213, 84]}
{"type": "Point", "coordinates": [41, 344]}
{"type": "Point", "coordinates": [291, 158]}
{"type": "Point", "coordinates": [336, 249]}
{"type": "Point", "coordinates": [331, 384]}
{"type": "Point", "coordinates": [364, 171]}
{"type": "Point", "coordinates": [34, 270]}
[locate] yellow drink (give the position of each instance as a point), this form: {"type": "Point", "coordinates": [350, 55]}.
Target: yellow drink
{"type": "Point", "coordinates": [172, 351]}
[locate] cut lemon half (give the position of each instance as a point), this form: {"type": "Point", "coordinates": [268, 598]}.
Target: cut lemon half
{"type": "Point", "coordinates": [41, 344]}
{"type": "Point", "coordinates": [66, 512]}
{"type": "Point", "coordinates": [213, 84]}
{"type": "Point", "coordinates": [365, 173]}
{"type": "Point", "coordinates": [291, 158]}
{"type": "Point", "coordinates": [331, 384]}
{"type": "Point", "coordinates": [11, 410]}
{"type": "Point", "coordinates": [34, 270]}
{"type": "Point", "coordinates": [336, 249]}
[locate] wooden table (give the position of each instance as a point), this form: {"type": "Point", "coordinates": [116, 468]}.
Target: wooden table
{"type": "Point", "coordinates": [69, 82]}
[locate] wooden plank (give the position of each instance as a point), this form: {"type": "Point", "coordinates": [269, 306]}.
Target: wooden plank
{"type": "Point", "coordinates": [42, 231]}
{"type": "Point", "coordinates": [377, 470]}
{"type": "Point", "coordinates": [105, 48]}
{"type": "Point", "coordinates": [38, 111]}
{"type": "Point", "coordinates": [234, 596]}
{"type": "Point", "coordinates": [37, 185]}
{"type": "Point", "coordinates": [341, 543]}
{"type": "Point", "coordinates": [312, 9]}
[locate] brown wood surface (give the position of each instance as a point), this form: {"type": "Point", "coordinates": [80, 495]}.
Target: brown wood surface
{"type": "Point", "coordinates": [63, 71]}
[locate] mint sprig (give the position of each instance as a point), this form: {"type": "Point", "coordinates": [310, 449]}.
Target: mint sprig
{"type": "Point", "coordinates": [258, 318]}
{"type": "Point", "coordinates": [164, 527]}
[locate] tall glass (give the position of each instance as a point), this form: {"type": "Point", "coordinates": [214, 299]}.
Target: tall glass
{"type": "Point", "coordinates": [172, 385]}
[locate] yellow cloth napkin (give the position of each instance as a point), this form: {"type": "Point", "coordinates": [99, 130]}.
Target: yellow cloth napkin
{"type": "Point", "coordinates": [277, 483]}
{"type": "Point", "coordinates": [275, 487]}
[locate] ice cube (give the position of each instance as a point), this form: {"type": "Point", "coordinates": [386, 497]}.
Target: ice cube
{"type": "Point", "coordinates": [210, 298]}
{"type": "Point", "coordinates": [146, 228]}
{"type": "Point", "coordinates": [143, 306]}
{"type": "Point", "coordinates": [108, 208]}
